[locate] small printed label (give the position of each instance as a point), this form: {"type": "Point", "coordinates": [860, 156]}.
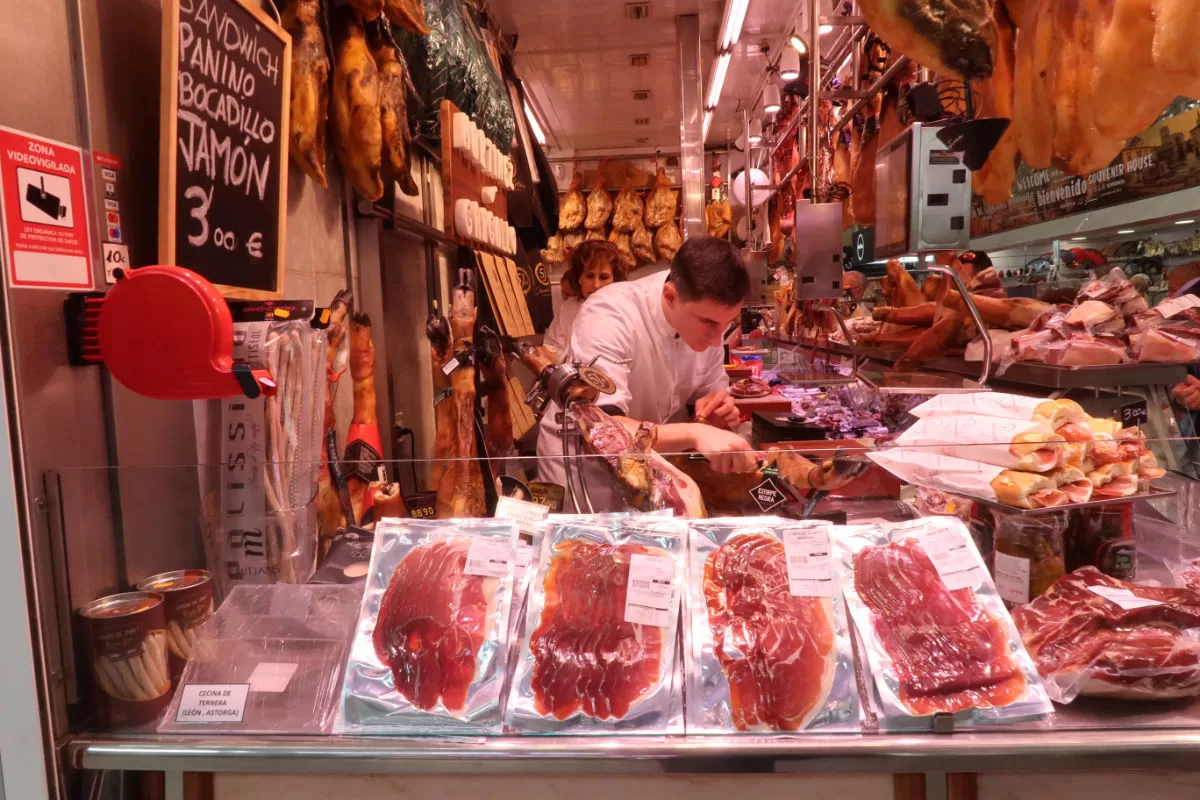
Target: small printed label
{"type": "Point", "coordinates": [954, 559]}
{"type": "Point", "coordinates": [526, 515]}
{"type": "Point", "coordinates": [769, 495]}
{"type": "Point", "coordinates": [212, 702]}
{"type": "Point", "coordinates": [450, 365]}
{"type": "Point", "coordinates": [116, 256]}
{"type": "Point", "coordinates": [651, 592]}
{"type": "Point", "coordinates": [1177, 305]}
{"type": "Point", "coordinates": [1126, 599]}
{"type": "Point", "coordinates": [1012, 578]}
{"type": "Point", "coordinates": [109, 174]}
{"type": "Point", "coordinates": [270, 676]}
{"type": "Point", "coordinates": [809, 562]}
{"type": "Point", "coordinates": [489, 557]}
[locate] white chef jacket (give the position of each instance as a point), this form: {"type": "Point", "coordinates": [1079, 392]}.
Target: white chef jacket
{"type": "Point", "coordinates": [558, 335]}
{"type": "Point", "coordinates": [622, 326]}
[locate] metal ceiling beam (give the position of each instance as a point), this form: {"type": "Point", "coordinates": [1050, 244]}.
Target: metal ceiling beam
{"type": "Point", "coordinates": [691, 124]}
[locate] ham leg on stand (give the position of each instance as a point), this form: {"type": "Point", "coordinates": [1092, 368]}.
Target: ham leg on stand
{"type": "Point", "coordinates": [460, 490]}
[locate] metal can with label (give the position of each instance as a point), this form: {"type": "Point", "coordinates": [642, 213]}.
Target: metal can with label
{"type": "Point", "coordinates": [188, 604]}
{"type": "Point", "coordinates": [127, 650]}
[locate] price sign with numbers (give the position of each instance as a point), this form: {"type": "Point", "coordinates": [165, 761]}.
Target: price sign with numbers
{"type": "Point", "coordinates": [1135, 414]}
{"type": "Point", "coordinates": [226, 78]}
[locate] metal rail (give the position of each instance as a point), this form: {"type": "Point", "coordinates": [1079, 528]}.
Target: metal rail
{"type": "Point", "coordinates": [870, 92]}
{"type": "Point", "coordinates": [938, 269]}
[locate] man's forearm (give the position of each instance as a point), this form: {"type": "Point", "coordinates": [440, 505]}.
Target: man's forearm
{"type": "Point", "coordinates": [672, 437]}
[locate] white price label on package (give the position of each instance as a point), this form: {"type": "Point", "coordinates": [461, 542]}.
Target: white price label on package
{"type": "Point", "coordinates": [489, 557]}
{"type": "Point", "coordinates": [1177, 305]}
{"type": "Point", "coordinates": [1126, 599]}
{"type": "Point", "coordinates": [1012, 578]}
{"type": "Point", "coordinates": [650, 595]}
{"type": "Point", "coordinates": [212, 702]}
{"type": "Point", "coordinates": [526, 515]}
{"type": "Point", "coordinates": [809, 562]}
{"type": "Point", "coordinates": [272, 677]}
{"type": "Point", "coordinates": [954, 558]}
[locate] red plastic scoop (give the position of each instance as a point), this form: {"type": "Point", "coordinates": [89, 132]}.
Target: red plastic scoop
{"type": "Point", "coordinates": [165, 332]}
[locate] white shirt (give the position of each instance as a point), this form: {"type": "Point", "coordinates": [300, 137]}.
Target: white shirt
{"type": "Point", "coordinates": [623, 328]}
{"type": "Point", "coordinates": [558, 335]}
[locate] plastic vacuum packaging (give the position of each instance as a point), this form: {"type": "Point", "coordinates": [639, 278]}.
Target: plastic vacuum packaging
{"type": "Point", "coordinates": [600, 652]}
{"type": "Point", "coordinates": [1007, 443]}
{"type": "Point", "coordinates": [430, 650]}
{"type": "Point", "coordinates": [767, 640]}
{"type": "Point", "coordinates": [269, 661]}
{"type": "Point", "coordinates": [935, 633]}
{"type": "Point", "coordinates": [1095, 635]}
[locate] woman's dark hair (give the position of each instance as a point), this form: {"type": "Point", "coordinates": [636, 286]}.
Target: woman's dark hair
{"type": "Point", "coordinates": [587, 254]}
{"type": "Point", "coordinates": [707, 268]}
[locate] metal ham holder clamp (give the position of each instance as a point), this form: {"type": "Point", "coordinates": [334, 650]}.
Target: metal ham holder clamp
{"type": "Point", "coordinates": [567, 384]}
{"type": "Point", "coordinates": [929, 383]}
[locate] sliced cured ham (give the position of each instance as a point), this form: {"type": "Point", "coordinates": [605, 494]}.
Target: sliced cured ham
{"type": "Point", "coordinates": [1073, 484]}
{"type": "Point", "coordinates": [1095, 635]}
{"type": "Point", "coordinates": [587, 658]}
{"type": "Point", "coordinates": [778, 652]}
{"type": "Point", "coordinates": [431, 624]}
{"type": "Point", "coordinates": [948, 652]}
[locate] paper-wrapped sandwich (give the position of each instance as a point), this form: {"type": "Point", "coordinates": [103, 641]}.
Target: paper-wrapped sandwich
{"type": "Point", "coordinates": [983, 481]}
{"type": "Point", "coordinates": [1008, 443]}
{"type": "Point", "coordinates": [1054, 413]}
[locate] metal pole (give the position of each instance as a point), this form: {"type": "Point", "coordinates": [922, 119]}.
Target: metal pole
{"type": "Point", "coordinates": [691, 125]}
{"type": "Point", "coordinates": [814, 94]}
{"type": "Point", "coordinates": [746, 177]}
{"type": "Point", "coordinates": [876, 87]}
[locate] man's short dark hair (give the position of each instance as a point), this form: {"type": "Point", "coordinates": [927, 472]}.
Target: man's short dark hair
{"type": "Point", "coordinates": [707, 268]}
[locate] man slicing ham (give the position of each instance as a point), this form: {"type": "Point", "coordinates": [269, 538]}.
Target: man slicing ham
{"type": "Point", "coordinates": [660, 340]}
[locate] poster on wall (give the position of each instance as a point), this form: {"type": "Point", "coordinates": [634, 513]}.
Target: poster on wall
{"type": "Point", "coordinates": [1164, 159]}
{"type": "Point", "coordinates": [46, 234]}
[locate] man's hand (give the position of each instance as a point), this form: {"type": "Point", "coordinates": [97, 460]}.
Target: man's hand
{"type": "Point", "coordinates": [1187, 394]}
{"type": "Point", "coordinates": [717, 408]}
{"type": "Point", "coordinates": [725, 451]}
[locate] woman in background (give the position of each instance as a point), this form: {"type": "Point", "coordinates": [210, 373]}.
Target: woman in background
{"type": "Point", "coordinates": [594, 265]}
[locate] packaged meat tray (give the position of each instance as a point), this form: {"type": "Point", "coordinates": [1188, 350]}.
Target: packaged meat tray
{"type": "Point", "coordinates": [935, 633]}
{"type": "Point", "coordinates": [1096, 635]}
{"type": "Point", "coordinates": [269, 661]}
{"type": "Point", "coordinates": [433, 632]}
{"type": "Point", "coordinates": [767, 638]}
{"type": "Point", "coordinates": [600, 651]}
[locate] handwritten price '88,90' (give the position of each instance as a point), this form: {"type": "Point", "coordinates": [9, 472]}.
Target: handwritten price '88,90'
{"type": "Point", "coordinates": [224, 239]}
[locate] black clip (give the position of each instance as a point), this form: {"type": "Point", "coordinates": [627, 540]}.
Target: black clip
{"type": "Point", "coordinates": [943, 722]}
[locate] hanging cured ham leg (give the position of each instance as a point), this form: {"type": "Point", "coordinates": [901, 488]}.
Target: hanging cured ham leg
{"type": "Point", "coordinates": [437, 330]}
{"type": "Point", "coordinates": [460, 490]}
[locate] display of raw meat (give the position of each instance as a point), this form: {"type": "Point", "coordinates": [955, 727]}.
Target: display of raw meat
{"type": "Point", "coordinates": [572, 208]}
{"type": "Point", "coordinates": [642, 243]}
{"type": "Point", "coordinates": [587, 658]}
{"type": "Point", "coordinates": [628, 207]}
{"type": "Point", "coordinates": [431, 624]}
{"type": "Point", "coordinates": [649, 480]}
{"type": "Point", "coordinates": [750, 387]}
{"type": "Point", "coordinates": [717, 218]}
{"type": "Point", "coordinates": [862, 198]}
{"type": "Point", "coordinates": [1136, 645]}
{"type": "Point", "coordinates": [661, 204]}
{"type": "Point", "coordinates": [460, 487]}
{"type": "Point", "coordinates": [309, 107]}
{"type": "Point", "coordinates": [599, 206]}
{"type": "Point", "coordinates": [408, 14]}
{"type": "Point", "coordinates": [355, 107]}
{"type": "Point", "coordinates": [667, 241]}
{"type": "Point", "coordinates": [777, 651]}
{"type": "Point", "coordinates": [948, 652]}
{"type": "Point", "coordinates": [393, 110]}
{"type": "Point", "coordinates": [952, 37]}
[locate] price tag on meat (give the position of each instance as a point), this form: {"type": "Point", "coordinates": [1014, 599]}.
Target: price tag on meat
{"type": "Point", "coordinates": [954, 558]}
{"type": "Point", "coordinates": [1126, 599]}
{"type": "Point", "coordinates": [1135, 414]}
{"type": "Point", "coordinates": [1177, 305]}
{"type": "Point", "coordinates": [809, 563]}
{"type": "Point", "coordinates": [489, 556]}
{"type": "Point", "coordinates": [526, 515]}
{"type": "Point", "coordinates": [1012, 578]}
{"type": "Point", "coordinates": [649, 598]}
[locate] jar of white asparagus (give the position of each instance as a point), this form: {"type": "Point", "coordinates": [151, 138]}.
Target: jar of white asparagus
{"type": "Point", "coordinates": [127, 645]}
{"type": "Point", "coordinates": [188, 604]}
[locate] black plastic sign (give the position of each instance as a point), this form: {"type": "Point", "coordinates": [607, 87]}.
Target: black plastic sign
{"type": "Point", "coordinates": [1135, 414]}
{"type": "Point", "coordinates": [226, 79]}
{"type": "Point", "coordinates": [770, 494]}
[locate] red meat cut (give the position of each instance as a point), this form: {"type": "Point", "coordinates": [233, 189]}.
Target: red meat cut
{"type": "Point", "coordinates": [432, 621]}
{"type": "Point", "coordinates": [1100, 648]}
{"type": "Point", "coordinates": [947, 651]}
{"type": "Point", "coordinates": [777, 651]}
{"type": "Point", "coordinates": [587, 658]}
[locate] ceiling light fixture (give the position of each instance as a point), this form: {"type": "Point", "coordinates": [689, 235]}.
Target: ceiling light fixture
{"type": "Point", "coordinates": [538, 133]}
{"type": "Point", "coordinates": [789, 64]}
{"type": "Point", "coordinates": [771, 100]}
{"type": "Point", "coordinates": [731, 23]}
{"type": "Point", "coordinates": [708, 116]}
{"type": "Point", "coordinates": [798, 44]}
{"type": "Point", "coordinates": [1184, 221]}
{"type": "Point", "coordinates": [1126, 231]}
{"type": "Point", "coordinates": [825, 29]}
{"type": "Point", "coordinates": [1078, 238]}
{"type": "Point", "coordinates": [756, 132]}
{"type": "Point", "coordinates": [720, 68]}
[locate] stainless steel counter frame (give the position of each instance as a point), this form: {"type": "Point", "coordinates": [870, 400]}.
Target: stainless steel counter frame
{"type": "Point", "coordinates": [992, 751]}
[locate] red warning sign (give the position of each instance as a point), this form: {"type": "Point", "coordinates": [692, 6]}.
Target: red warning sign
{"type": "Point", "coordinates": [45, 213]}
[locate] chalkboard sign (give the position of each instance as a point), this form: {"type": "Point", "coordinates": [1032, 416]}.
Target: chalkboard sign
{"type": "Point", "coordinates": [226, 81]}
